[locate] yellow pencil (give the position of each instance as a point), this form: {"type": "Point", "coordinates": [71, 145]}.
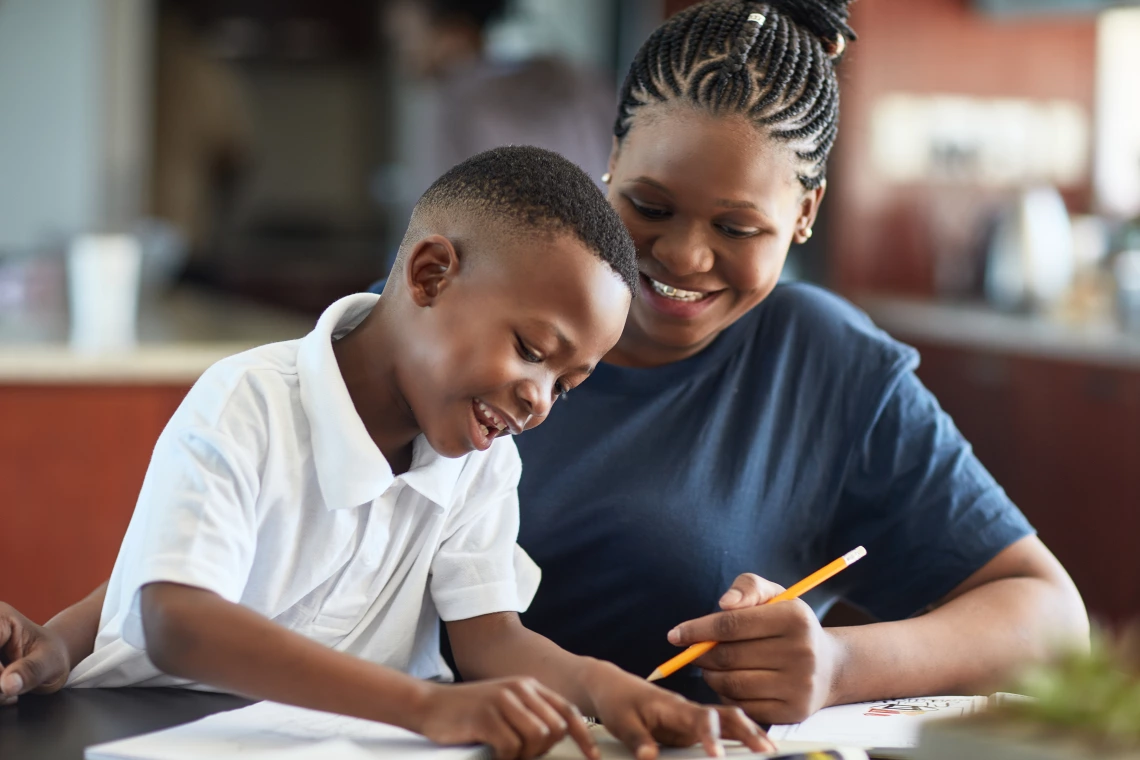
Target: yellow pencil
{"type": "Point", "coordinates": [804, 586]}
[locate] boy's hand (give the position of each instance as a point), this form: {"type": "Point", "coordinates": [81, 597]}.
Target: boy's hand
{"type": "Point", "coordinates": [517, 717]}
{"type": "Point", "coordinates": [32, 658]}
{"type": "Point", "coordinates": [775, 661]}
{"type": "Point", "coordinates": [641, 715]}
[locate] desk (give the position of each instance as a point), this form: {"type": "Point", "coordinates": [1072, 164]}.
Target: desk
{"type": "Point", "coordinates": [60, 726]}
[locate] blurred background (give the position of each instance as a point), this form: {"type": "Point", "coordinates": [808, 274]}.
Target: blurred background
{"type": "Point", "coordinates": [184, 179]}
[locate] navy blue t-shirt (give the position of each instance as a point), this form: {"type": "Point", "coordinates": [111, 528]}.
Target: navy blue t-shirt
{"type": "Point", "coordinates": [800, 433]}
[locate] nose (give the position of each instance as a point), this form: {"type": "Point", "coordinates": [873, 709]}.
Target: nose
{"type": "Point", "coordinates": [536, 399]}
{"type": "Point", "coordinates": [683, 250]}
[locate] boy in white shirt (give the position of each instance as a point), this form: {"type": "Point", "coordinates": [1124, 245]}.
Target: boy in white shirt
{"type": "Point", "coordinates": [315, 506]}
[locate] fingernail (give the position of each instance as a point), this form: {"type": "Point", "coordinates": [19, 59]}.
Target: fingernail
{"type": "Point", "coordinates": [13, 684]}
{"type": "Point", "coordinates": [731, 597]}
{"type": "Point", "coordinates": [645, 752]}
{"type": "Point", "coordinates": [718, 750]}
{"type": "Point", "coordinates": [675, 636]}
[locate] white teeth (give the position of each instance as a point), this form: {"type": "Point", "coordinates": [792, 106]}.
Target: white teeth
{"type": "Point", "coordinates": [676, 293]}
{"type": "Point", "coordinates": [490, 420]}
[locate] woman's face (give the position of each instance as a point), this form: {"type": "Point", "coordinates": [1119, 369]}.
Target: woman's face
{"type": "Point", "coordinates": [713, 206]}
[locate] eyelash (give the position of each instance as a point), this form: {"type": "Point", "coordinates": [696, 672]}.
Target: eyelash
{"type": "Point", "coordinates": [655, 215]}
{"type": "Point", "coordinates": [561, 391]}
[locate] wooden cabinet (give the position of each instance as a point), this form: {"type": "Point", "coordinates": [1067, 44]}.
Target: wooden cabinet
{"type": "Point", "coordinates": [1064, 440]}
{"type": "Point", "coordinates": [72, 459]}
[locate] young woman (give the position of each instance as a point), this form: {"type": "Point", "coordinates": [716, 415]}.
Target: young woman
{"type": "Point", "coordinates": [742, 434]}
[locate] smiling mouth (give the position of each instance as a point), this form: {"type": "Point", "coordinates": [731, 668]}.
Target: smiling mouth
{"type": "Point", "coordinates": [489, 423]}
{"type": "Point", "coordinates": [676, 294]}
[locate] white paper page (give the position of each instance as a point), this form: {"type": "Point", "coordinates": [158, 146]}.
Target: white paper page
{"type": "Point", "coordinates": [332, 749]}
{"type": "Point", "coordinates": [255, 732]}
{"type": "Point", "coordinates": [612, 749]}
{"type": "Point", "coordinates": [890, 724]}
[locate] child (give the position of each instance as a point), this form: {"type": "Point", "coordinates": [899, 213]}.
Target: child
{"type": "Point", "coordinates": [314, 506]}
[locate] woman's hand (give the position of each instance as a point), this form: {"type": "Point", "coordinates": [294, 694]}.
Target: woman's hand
{"type": "Point", "coordinates": [517, 717]}
{"type": "Point", "coordinates": [641, 715]}
{"type": "Point", "coordinates": [774, 661]}
{"type": "Point", "coordinates": [32, 657]}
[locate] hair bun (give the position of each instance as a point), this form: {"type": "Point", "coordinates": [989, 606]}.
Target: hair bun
{"type": "Point", "coordinates": [827, 19]}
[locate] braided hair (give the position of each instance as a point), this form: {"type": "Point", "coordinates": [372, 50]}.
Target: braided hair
{"type": "Point", "coordinates": [772, 62]}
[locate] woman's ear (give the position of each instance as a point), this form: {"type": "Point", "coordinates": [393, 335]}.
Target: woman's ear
{"type": "Point", "coordinates": [430, 267]}
{"type": "Point", "coordinates": [809, 209]}
{"type": "Point", "coordinates": [612, 163]}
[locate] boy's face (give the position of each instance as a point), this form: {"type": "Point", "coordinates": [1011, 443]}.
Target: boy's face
{"type": "Point", "coordinates": [499, 333]}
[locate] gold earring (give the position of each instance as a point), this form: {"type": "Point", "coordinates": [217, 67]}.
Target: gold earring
{"type": "Point", "coordinates": [606, 178]}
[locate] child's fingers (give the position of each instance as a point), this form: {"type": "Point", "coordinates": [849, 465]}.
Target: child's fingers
{"type": "Point", "coordinates": [682, 723]}
{"type": "Point", "coordinates": [575, 726]}
{"type": "Point", "coordinates": [735, 724]}
{"type": "Point", "coordinates": [749, 590]}
{"type": "Point", "coordinates": [535, 737]}
{"type": "Point", "coordinates": [634, 734]}
{"type": "Point", "coordinates": [11, 681]}
{"type": "Point", "coordinates": [708, 732]}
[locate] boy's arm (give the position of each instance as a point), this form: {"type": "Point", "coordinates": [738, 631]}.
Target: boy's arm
{"type": "Point", "coordinates": [635, 711]}
{"type": "Point", "coordinates": [196, 634]}
{"type": "Point", "coordinates": [35, 658]}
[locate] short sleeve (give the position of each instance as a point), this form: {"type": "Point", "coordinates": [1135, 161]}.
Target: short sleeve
{"type": "Point", "coordinates": [194, 524]}
{"type": "Point", "coordinates": [918, 499]}
{"type": "Point", "coordinates": [479, 568]}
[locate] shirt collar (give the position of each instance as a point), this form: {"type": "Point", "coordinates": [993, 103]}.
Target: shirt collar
{"type": "Point", "coordinates": [351, 470]}
{"type": "Point", "coordinates": [433, 475]}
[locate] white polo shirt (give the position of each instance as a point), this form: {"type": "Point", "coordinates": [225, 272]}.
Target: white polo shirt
{"type": "Point", "coordinates": [266, 489]}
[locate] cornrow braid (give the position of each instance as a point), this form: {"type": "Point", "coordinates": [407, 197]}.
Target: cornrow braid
{"type": "Point", "coordinates": [772, 62]}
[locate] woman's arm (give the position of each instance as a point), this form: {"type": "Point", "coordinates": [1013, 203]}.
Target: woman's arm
{"type": "Point", "coordinates": [781, 666]}
{"type": "Point", "coordinates": [39, 658]}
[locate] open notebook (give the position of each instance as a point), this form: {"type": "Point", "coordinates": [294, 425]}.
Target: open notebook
{"type": "Point", "coordinates": [886, 729]}
{"type": "Point", "coordinates": [270, 731]}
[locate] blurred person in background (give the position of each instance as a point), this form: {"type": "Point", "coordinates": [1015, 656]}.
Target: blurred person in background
{"type": "Point", "coordinates": [203, 137]}
{"type": "Point", "coordinates": [462, 102]}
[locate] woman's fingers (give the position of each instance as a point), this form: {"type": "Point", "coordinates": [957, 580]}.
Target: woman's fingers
{"type": "Point", "coordinates": [749, 590]}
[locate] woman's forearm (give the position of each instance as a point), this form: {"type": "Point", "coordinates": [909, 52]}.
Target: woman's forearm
{"type": "Point", "coordinates": [195, 634]}
{"type": "Point", "coordinates": [970, 645]}
{"type": "Point", "coordinates": [78, 624]}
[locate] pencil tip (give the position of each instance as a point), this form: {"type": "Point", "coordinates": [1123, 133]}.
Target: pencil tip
{"type": "Point", "coordinates": [656, 675]}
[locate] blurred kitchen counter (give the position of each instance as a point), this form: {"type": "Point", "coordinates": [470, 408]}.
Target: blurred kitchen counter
{"type": "Point", "coordinates": [180, 335]}
{"type": "Point", "coordinates": [77, 432]}
{"type": "Point", "coordinates": [978, 326]}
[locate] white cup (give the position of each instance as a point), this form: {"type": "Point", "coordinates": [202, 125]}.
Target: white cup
{"type": "Point", "coordinates": [103, 285]}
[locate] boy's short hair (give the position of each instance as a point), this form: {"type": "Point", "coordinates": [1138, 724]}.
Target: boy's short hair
{"type": "Point", "coordinates": [537, 189]}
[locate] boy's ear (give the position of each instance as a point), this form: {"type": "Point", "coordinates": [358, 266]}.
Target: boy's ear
{"type": "Point", "coordinates": [431, 266]}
